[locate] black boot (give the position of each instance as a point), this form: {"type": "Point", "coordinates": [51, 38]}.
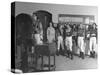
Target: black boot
{"type": "Point", "coordinates": [82, 55]}
{"type": "Point", "coordinates": [71, 54]}
{"type": "Point", "coordinates": [93, 54]}
{"type": "Point", "coordinates": [63, 52]}
{"type": "Point", "coordinates": [68, 53]}
{"type": "Point", "coordinates": [57, 53]}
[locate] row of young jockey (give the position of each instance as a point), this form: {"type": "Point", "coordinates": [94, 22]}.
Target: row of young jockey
{"type": "Point", "coordinates": [65, 34]}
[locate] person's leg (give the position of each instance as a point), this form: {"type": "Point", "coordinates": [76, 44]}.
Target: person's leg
{"type": "Point", "coordinates": [62, 43]}
{"type": "Point", "coordinates": [58, 45]}
{"type": "Point", "coordinates": [66, 44]}
{"type": "Point", "coordinates": [70, 43]}
{"type": "Point", "coordinates": [82, 47]}
{"type": "Point", "coordinates": [79, 45]}
{"type": "Point", "coordinates": [90, 47]}
{"type": "Point", "coordinates": [94, 46]}
{"type": "Point", "coordinates": [70, 46]}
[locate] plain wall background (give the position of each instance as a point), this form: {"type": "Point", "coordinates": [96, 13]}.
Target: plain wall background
{"type": "Point", "coordinates": [55, 9]}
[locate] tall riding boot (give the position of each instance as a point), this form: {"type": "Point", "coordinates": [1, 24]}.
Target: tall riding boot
{"type": "Point", "coordinates": [68, 53]}
{"type": "Point", "coordinates": [82, 55]}
{"type": "Point", "coordinates": [93, 54]}
{"type": "Point", "coordinates": [63, 52]}
{"type": "Point", "coordinates": [71, 54]}
{"type": "Point", "coordinates": [57, 52]}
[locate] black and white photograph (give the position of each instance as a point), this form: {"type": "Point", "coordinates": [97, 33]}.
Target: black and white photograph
{"type": "Point", "coordinates": [49, 37]}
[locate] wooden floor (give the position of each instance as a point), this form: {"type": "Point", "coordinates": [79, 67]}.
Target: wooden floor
{"type": "Point", "coordinates": [63, 63]}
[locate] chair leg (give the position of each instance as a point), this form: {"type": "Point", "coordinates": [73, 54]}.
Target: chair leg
{"type": "Point", "coordinates": [49, 62]}
{"type": "Point", "coordinates": [54, 59]}
{"type": "Point", "coordinates": [42, 64]}
{"type": "Point", "coordinates": [36, 62]}
{"type": "Point", "coordinates": [54, 63]}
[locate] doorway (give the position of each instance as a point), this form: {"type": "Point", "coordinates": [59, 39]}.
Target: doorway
{"type": "Point", "coordinates": [45, 18]}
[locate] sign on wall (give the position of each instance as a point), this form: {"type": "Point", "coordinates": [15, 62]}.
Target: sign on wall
{"type": "Point", "coordinates": [70, 19]}
{"type": "Point", "coordinates": [63, 18]}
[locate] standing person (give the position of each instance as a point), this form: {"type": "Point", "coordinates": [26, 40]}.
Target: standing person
{"type": "Point", "coordinates": [93, 39]}
{"type": "Point", "coordinates": [68, 40]}
{"type": "Point", "coordinates": [81, 34]}
{"type": "Point", "coordinates": [56, 28]}
{"type": "Point", "coordinates": [35, 24]}
{"type": "Point", "coordinates": [39, 33]}
{"type": "Point", "coordinates": [87, 38]}
{"type": "Point", "coordinates": [34, 19]}
{"type": "Point", "coordinates": [87, 32]}
{"type": "Point", "coordinates": [74, 37]}
{"type": "Point", "coordinates": [60, 39]}
{"type": "Point", "coordinates": [50, 33]}
{"type": "Point", "coordinates": [75, 33]}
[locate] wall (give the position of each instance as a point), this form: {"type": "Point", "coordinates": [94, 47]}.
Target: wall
{"type": "Point", "coordinates": [55, 9]}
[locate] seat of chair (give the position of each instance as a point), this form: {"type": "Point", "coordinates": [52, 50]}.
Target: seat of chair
{"type": "Point", "coordinates": [46, 49]}
{"type": "Point", "coordinates": [42, 50]}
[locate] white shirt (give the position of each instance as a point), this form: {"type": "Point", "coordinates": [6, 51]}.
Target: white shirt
{"type": "Point", "coordinates": [38, 39]}
{"type": "Point", "coordinates": [50, 34]}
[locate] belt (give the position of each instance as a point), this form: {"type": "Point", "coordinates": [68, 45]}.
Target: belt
{"type": "Point", "coordinates": [93, 36]}
{"type": "Point", "coordinates": [80, 36]}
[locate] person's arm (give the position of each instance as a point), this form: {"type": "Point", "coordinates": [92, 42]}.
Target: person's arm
{"type": "Point", "coordinates": [84, 35]}
{"type": "Point", "coordinates": [68, 30]}
{"type": "Point", "coordinates": [47, 33]}
{"type": "Point", "coordinates": [96, 36]}
{"type": "Point", "coordinates": [54, 34]}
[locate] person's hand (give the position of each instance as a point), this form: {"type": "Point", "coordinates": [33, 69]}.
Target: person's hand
{"type": "Point", "coordinates": [88, 35]}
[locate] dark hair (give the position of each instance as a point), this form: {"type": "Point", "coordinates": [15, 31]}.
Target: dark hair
{"type": "Point", "coordinates": [94, 24]}
{"type": "Point", "coordinates": [38, 18]}
{"type": "Point", "coordinates": [51, 23]}
{"type": "Point", "coordinates": [35, 31]}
